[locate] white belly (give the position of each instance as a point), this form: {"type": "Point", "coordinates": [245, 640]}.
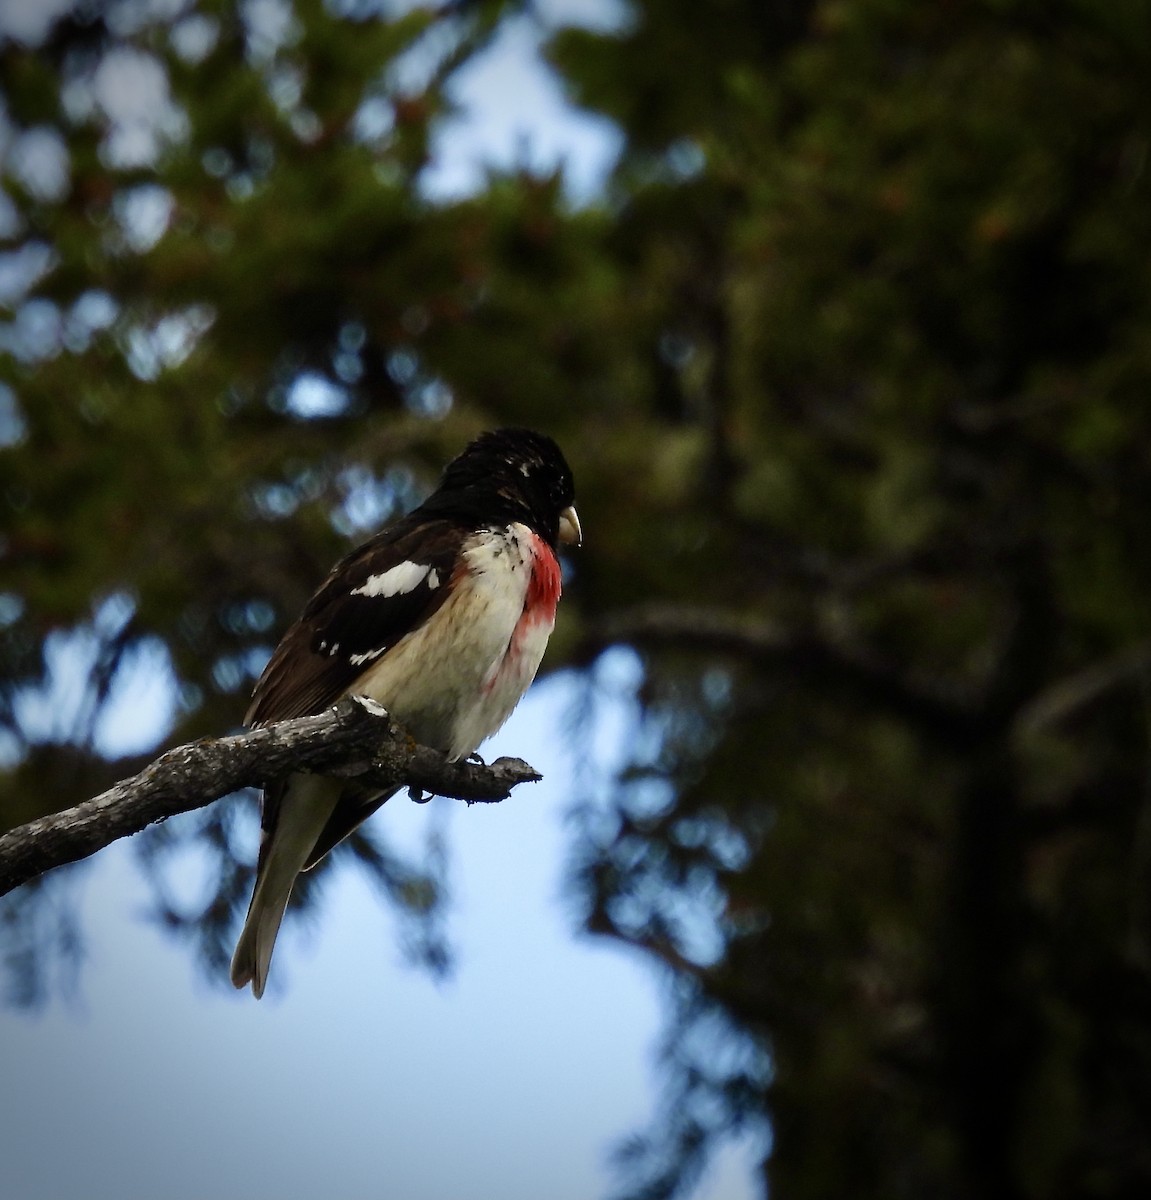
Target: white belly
{"type": "Point", "coordinates": [454, 681]}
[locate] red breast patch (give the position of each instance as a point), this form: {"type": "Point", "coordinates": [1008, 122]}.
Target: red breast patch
{"type": "Point", "coordinates": [544, 586]}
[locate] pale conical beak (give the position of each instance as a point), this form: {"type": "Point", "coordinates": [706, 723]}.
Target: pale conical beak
{"type": "Point", "coordinates": [570, 532]}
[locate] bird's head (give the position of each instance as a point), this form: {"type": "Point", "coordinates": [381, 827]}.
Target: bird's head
{"type": "Point", "coordinates": [519, 474]}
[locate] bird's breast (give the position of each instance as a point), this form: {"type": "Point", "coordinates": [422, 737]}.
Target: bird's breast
{"type": "Point", "coordinates": [455, 680]}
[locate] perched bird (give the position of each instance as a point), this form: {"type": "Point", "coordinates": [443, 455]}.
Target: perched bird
{"type": "Point", "coordinates": [442, 618]}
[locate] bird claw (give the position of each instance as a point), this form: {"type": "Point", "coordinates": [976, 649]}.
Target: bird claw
{"type": "Point", "coordinates": [418, 795]}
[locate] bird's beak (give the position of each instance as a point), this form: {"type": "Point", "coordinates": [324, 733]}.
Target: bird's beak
{"type": "Point", "coordinates": [570, 532]}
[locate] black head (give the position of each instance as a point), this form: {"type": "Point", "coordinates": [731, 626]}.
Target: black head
{"type": "Point", "coordinates": [512, 475]}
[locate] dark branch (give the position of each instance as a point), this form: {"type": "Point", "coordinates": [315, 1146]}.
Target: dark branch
{"type": "Point", "coordinates": [353, 739]}
{"type": "Point", "coordinates": [939, 712]}
{"type": "Point", "coordinates": [1075, 693]}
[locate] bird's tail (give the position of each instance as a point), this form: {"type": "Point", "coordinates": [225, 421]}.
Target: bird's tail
{"type": "Point", "coordinates": [304, 808]}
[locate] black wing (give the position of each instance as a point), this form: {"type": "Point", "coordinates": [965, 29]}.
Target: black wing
{"type": "Point", "coordinates": [357, 616]}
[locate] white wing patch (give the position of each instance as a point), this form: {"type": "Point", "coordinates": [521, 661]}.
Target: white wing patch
{"type": "Point", "coordinates": [358, 660]}
{"type": "Point", "coordinates": [403, 577]}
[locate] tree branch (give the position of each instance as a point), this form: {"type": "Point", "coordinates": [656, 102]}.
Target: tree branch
{"type": "Point", "coordinates": [355, 739]}
{"type": "Point", "coordinates": [937, 711]}
{"type": "Point", "coordinates": [1075, 693]}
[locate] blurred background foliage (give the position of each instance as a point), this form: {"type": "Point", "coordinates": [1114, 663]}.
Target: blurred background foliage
{"type": "Point", "coordinates": [852, 360]}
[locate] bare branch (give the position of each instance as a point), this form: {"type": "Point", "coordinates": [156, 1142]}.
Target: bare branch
{"type": "Point", "coordinates": [354, 739]}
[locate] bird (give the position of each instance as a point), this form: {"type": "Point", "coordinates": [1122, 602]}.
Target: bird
{"type": "Point", "coordinates": [442, 618]}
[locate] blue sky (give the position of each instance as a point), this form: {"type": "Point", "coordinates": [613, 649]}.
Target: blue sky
{"type": "Point", "coordinates": [357, 1078]}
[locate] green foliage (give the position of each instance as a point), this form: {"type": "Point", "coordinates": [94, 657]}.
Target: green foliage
{"type": "Point", "coordinates": [852, 364]}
